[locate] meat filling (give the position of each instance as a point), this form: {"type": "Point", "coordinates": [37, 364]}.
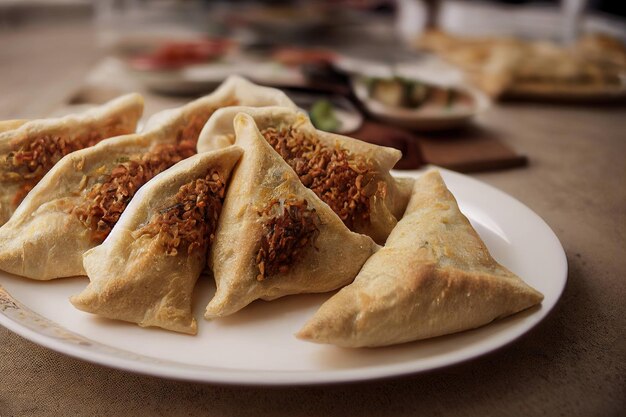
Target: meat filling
{"type": "Point", "coordinates": [32, 161]}
{"type": "Point", "coordinates": [196, 121]}
{"type": "Point", "coordinates": [345, 182]}
{"type": "Point", "coordinates": [290, 227]}
{"type": "Point", "coordinates": [105, 202]}
{"type": "Point", "coordinates": [189, 224]}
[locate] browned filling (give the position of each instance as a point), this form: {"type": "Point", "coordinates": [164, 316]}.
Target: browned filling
{"type": "Point", "coordinates": [196, 121]}
{"type": "Point", "coordinates": [344, 182]}
{"type": "Point", "coordinates": [22, 192]}
{"type": "Point", "coordinates": [189, 224]}
{"type": "Point", "coordinates": [290, 228]}
{"type": "Point", "coordinates": [105, 202]}
{"type": "Point", "coordinates": [31, 162]}
{"type": "Point", "coordinates": [192, 128]}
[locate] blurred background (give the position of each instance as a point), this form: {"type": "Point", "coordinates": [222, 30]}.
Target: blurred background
{"type": "Point", "coordinates": [527, 18]}
{"type": "Point", "coordinates": [542, 19]}
{"type": "Point", "coordinates": [414, 74]}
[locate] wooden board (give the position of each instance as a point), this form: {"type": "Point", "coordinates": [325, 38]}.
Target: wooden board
{"type": "Point", "coordinates": [468, 150]}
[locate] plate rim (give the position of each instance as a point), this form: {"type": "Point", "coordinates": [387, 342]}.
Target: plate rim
{"type": "Point", "coordinates": [179, 371]}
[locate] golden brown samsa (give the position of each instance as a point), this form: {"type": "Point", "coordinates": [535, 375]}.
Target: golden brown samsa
{"type": "Point", "coordinates": [78, 202]}
{"type": "Point", "coordinates": [276, 237]}
{"type": "Point", "coordinates": [349, 175]}
{"type": "Point", "coordinates": [434, 276]}
{"type": "Point", "coordinates": [145, 271]}
{"type": "Point", "coordinates": [28, 152]}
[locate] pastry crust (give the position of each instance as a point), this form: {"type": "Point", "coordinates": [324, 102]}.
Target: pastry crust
{"type": "Point", "coordinates": [6, 125]}
{"type": "Point", "coordinates": [593, 68]}
{"type": "Point", "coordinates": [47, 228]}
{"type": "Point", "coordinates": [262, 178]}
{"type": "Point", "coordinates": [386, 204]}
{"type": "Point", "coordinates": [20, 148]}
{"type": "Point", "coordinates": [235, 90]}
{"type": "Point", "coordinates": [132, 278]}
{"type": "Point", "coordinates": [435, 276]}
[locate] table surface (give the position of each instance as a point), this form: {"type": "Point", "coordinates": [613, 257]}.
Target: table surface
{"type": "Point", "coordinates": [572, 364]}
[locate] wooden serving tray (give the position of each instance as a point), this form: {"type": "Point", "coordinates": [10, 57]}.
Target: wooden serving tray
{"type": "Point", "coordinates": [465, 150]}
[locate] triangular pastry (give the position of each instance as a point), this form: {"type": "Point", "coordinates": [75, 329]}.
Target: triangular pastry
{"type": "Point", "coordinates": [29, 150]}
{"type": "Point", "coordinates": [234, 91]}
{"type": "Point", "coordinates": [434, 276]}
{"type": "Point", "coordinates": [79, 201]}
{"type": "Point", "coordinates": [146, 269]}
{"type": "Point", "coordinates": [349, 175]}
{"type": "Point", "coordinates": [276, 237]}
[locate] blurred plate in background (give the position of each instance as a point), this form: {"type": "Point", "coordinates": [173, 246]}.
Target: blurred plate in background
{"type": "Point", "coordinates": [432, 115]}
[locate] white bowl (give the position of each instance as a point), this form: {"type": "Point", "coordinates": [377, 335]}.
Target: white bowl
{"type": "Point", "coordinates": [426, 119]}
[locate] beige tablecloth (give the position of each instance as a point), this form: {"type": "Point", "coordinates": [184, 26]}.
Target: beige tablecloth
{"type": "Point", "coordinates": [572, 364]}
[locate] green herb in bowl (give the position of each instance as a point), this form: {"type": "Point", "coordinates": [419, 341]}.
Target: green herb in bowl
{"type": "Point", "coordinates": [323, 116]}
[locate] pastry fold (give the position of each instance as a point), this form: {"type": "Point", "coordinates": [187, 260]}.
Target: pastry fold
{"type": "Point", "coordinates": [435, 276]}
{"type": "Point", "coordinates": [276, 237]}
{"type": "Point", "coordinates": [146, 269]}
{"type": "Point", "coordinates": [78, 202]}
{"type": "Point", "coordinates": [6, 125]}
{"type": "Point", "coordinates": [29, 150]}
{"type": "Point", "coordinates": [349, 175]}
{"type": "Point", "coordinates": [234, 91]}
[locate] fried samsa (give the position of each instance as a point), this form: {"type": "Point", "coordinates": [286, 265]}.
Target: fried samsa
{"type": "Point", "coordinates": [146, 269]}
{"type": "Point", "coordinates": [275, 236]}
{"type": "Point", "coordinates": [29, 150]}
{"type": "Point", "coordinates": [434, 276]}
{"type": "Point", "coordinates": [350, 176]}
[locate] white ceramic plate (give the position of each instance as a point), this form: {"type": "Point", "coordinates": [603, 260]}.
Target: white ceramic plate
{"type": "Point", "coordinates": [257, 346]}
